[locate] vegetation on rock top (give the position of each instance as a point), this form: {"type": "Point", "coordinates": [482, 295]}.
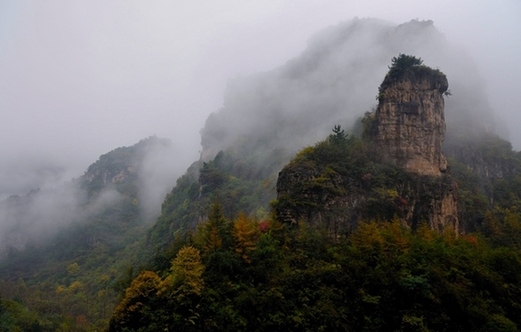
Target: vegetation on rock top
{"type": "Point", "coordinates": [408, 66]}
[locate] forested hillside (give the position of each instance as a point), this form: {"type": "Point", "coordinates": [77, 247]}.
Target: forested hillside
{"type": "Point", "coordinates": [354, 243]}
{"type": "Point", "coordinates": [221, 256]}
{"type": "Point", "coordinates": [69, 278]}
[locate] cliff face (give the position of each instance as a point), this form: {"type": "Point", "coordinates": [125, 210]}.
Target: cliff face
{"type": "Point", "coordinates": [409, 125]}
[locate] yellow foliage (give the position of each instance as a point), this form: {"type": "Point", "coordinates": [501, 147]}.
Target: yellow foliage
{"type": "Point", "coordinates": [143, 286]}
{"type": "Point", "coordinates": [390, 237]}
{"type": "Point", "coordinates": [425, 233]}
{"type": "Point", "coordinates": [305, 152]}
{"type": "Point", "coordinates": [73, 269]}
{"type": "Point", "coordinates": [60, 289]}
{"type": "Point", "coordinates": [185, 276]}
{"type": "Point", "coordinates": [392, 193]}
{"type": "Point", "coordinates": [213, 240]}
{"type": "Point", "coordinates": [75, 286]}
{"type": "Point", "coordinates": [397, 236]}
{"type": "Point", "coordinates": [367, 235]}
{"type": "Point", "coordinates": [245, 233]}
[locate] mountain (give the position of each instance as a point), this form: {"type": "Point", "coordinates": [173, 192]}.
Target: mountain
{"type": "Point", "coordinates": [365, 236]}
{"type": "Point", "coordinates": [244, 240]}
{"type": "Point", "coordinates": [270, 116]}
{"type": "Point", "coordinates": [362, 220]}
{"type": "Point", "coordinates": [398, 171]}
{"type": "Point", "coordinates": [70, 245]}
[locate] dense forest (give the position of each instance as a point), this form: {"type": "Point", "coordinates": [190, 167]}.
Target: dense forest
{"type": "Point", "coordinates": [253, 274]}
{"type": "Point", "coordinates": [221, 256]}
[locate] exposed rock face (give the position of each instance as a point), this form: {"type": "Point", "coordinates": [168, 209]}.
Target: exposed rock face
{"type": "Point", "coordinates": [409, 124]}
{"type": "Point", "coordinates": [409, 129]}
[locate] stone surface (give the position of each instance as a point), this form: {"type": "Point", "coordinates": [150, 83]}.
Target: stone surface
{"type": "Point", "coordinates": [409, 123]}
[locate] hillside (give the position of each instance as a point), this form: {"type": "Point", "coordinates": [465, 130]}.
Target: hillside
{"type": "Point", "coordinates": [359, 225]}
{"type": "Point", "coordinates": [244, 240]}
{"type": "Point", "coordinates": [67, 248]}
{"type": "Point", "coordinates": [268, 117]}
{"type": "Point", "coordinates": [365, 235]}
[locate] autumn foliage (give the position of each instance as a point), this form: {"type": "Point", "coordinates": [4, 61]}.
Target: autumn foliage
{"type": "Point", "coordinates": [381, 277]}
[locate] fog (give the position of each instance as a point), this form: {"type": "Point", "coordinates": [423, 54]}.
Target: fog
{"type": "Point", "coordinates": [134, 181]}
{"type": "Point", "coordinates": [78, 79]}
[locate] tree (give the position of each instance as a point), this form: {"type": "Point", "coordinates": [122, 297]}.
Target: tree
{"type": "Point", "coordinates": [246, 234]}
{"type": "Point", "coordinates": [73, 269]}
{"type": "Point", "coordinates": [5, 319]}
{"type": "Point", "coordinates": [134, 310]}
{"type": "Point", "coordinates": [404, 61]}
{"type": "Point", "coordinates": [338, 136]}
{"type": "Point", "coordinates": [401, 64]}
{"type": "Point", "coordinates": [185, 276]}
{"type": "Point", "coordinates": [215, 233]}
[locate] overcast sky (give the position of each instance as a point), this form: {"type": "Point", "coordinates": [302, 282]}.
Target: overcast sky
{"type": "Point", "coordinates": [80, 78]}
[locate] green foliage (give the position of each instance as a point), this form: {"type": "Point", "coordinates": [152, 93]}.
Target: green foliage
{"type": "Point", "coordinates": [338, 136]}
{"type": "Point", "coordinates": [400, 65]}
{"type": "Point", "coordinates": [186, 272]}
{"type": "Point", "coordinates": [404, 65]}
{"type": "Point", "coordinates": [240, 181]}
{"type": "Point", "coordinates": [339, 169]}
{"type": "Point", "coordinates": [404, 62]}
{"type": "Point", "coordinates": [73, 282]}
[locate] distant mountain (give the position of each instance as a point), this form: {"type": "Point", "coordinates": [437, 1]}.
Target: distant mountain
{"type": "Point", "coordinates": [335, 81]}
{"type": "Point", "coordinates": [113, 188]}
{"type": "Point", "coordinates": [71, 242]}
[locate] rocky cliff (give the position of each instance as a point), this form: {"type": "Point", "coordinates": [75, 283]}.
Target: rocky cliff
{"type": "Point", "coordinates": [409, 129]}
{"type": "Point", "coordinates": [397, 171]}
{"type": "Point", "coordinates": [409, 124]}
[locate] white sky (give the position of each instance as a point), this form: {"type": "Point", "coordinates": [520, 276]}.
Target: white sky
{"type": "Point", "coordinates": [80, 78]}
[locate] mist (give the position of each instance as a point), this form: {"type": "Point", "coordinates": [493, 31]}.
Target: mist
{"type": "Point", "coordinates": [124, 187]}
{"type": "Point", "coordinates": [77, 80]}
{"type": "Point", "coordinates": [335, 80]}
{"type": "Point", "coordinates": [80, 79]}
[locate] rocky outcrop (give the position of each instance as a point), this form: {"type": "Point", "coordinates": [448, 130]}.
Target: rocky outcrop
{"type": "Point", "coordinates": [409, 123]}
{"type": "Point", "coordinates": [338, 201]}
{"type": "Point", "coordinates": [408, 130]}
{"type": "Point", "coordinates": [398, 172]}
